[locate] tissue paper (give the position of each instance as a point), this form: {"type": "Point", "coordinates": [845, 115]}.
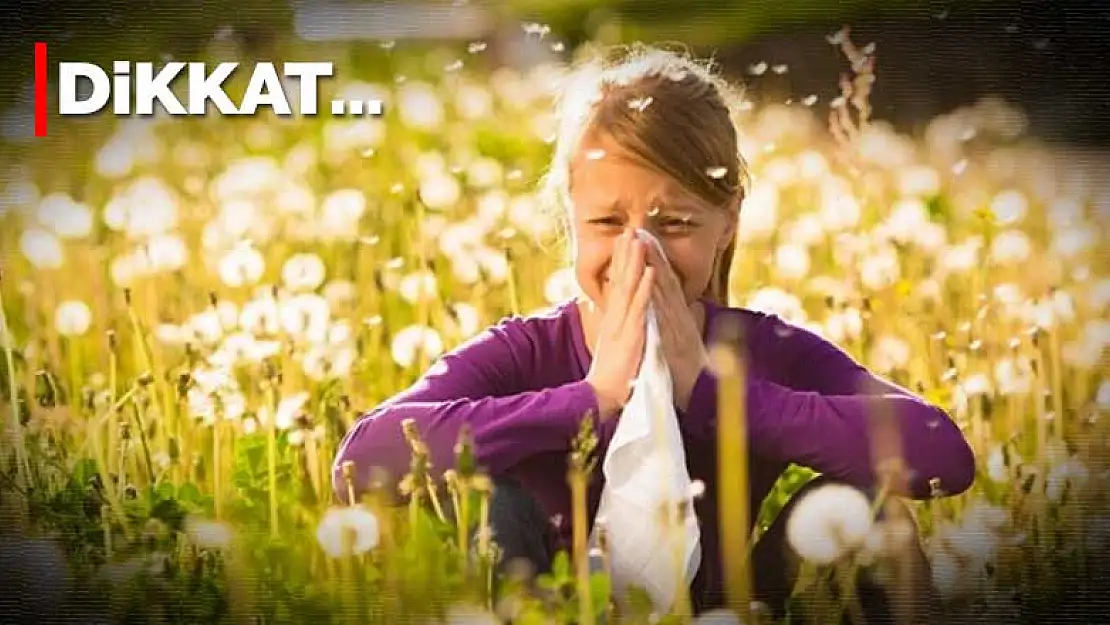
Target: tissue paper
{"type": "Point", "coordinates": [645, 479]}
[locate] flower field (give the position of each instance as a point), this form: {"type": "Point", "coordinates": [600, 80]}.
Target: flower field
{"type": "Point", "coordinates": [196, 310]}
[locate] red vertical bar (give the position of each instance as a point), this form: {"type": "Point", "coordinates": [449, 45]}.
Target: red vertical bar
{"type": "Point", "coordinates": [40, 89]}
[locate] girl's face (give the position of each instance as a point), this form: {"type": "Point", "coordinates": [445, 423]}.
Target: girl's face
{"type": "Point", "coordinates": [610, 190]}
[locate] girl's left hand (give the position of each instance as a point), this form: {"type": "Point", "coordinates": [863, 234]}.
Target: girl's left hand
{"type": "Point", "coordinates": [679, 330]}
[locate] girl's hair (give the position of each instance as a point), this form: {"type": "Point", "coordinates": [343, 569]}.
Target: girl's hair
{"type": "Point", "coordinates": [666, 108]}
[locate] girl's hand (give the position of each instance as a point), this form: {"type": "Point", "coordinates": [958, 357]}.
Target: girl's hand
{"type": "Point", "coordinates": [619, 348]}
{"type": "Point", "coordinates": [679, 329]}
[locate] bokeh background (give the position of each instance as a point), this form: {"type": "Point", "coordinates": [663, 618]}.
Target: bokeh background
{"type": "Point", "coordinates": [196, 310]}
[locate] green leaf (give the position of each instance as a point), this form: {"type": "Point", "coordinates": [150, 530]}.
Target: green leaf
{"type": "Point", "coordinates": [561, 569]}
{"type": "Point", "coordinates": [601, 588]}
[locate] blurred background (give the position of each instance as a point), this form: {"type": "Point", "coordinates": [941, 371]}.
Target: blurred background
{"type": "Point", "coordinates": [1044, 56]}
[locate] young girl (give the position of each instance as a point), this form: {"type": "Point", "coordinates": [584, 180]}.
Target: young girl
{"type": "Point", "coordinates": [648, 142]}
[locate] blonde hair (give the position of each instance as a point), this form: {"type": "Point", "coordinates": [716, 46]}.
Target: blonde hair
{"type": "Point", "coordinates": [668, 109]}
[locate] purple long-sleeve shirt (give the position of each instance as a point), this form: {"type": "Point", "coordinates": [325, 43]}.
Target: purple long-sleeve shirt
{"type": "Point", "coordinates": [520, 387]}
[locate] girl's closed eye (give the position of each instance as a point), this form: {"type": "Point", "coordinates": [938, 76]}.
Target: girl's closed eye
{"type": "Point", "coordinates": [607, 222]}
{"type": "Point", "coordinates": [674, 225]}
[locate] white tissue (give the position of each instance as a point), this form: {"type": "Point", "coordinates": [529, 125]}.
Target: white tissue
{"type": "Point", "coordinates": [645, 468]}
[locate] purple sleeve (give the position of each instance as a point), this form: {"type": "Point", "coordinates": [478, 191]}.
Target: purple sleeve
{"type": "Point", "coordinates": [821, 416]}
{"type": "Point", "coordinates": [477, 384]}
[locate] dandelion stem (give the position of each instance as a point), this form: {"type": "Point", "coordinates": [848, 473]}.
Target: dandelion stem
{"type": "Point", "coordinates": [581, 550]}
{"type": "Point", "coordinates": [271, 462]}
{"type": "Point", "coordinates": [1057, 383]}
{"type": "Point", "coordinates": [733, 486]}
{"type": "Point", "coordinates": [216, 468]}
{"type": "Point", "coordinates": [23, 467]}
{"type": "Point", "coordinates": [142, 440]}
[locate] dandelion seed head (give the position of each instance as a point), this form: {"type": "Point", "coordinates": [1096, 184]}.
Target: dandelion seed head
{"type": "Point", "coordinates": [72, 318]}
{"type": "Point", "coordinates": [303, 272]}
{"type": "Point", "coordinates": [412, 341]}
{"type": "Point", "coordinates": [827, 521]}
{"type": "Point", "coordinates": [347, 530]}
{"type": "Point", "coordinates": [208, 534]}
{"type": "Point", "coordinates": [41, 248]}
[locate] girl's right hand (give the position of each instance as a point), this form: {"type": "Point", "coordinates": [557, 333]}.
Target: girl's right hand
{"type": "Point", "coordinates": [619, 348]}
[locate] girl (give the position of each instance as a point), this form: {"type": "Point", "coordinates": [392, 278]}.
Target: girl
{"type": "Point", "coordinates": [648, 142]}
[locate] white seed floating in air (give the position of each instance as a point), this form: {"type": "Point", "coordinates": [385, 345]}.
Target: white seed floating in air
{"type": "Point", "coordinates": [810, 100]}
{"type": "Point", "coordinates": [717, 172]}
{"type": "Point", "coordinates": [534, 28]}
{"type": "Point", "coordinates": [653, 211]}
{"type": "Point", "coordinates": [758, 69]}
{"type": "Point", "coordinates": [387, 45]}
{"type": "Point", "coordinates": [837, 102]}
{"type": "Point", "coordinates": [594, 155]}
{"type": "Point", "coordinates": [476, 47]}
{"type": "Point", "coordinates": [780, 69]}
{"type": "Point", "coordinates": [453, 66]}
{"type": "Point", "coordinates": [368, 152]}
{"type": "Point", "coordinates": [838, 37]}
{"type": "Point", "coordinates": [514, 174]}
{"type": "Point", "coordinates": [397, 188]}
{"type": "Point", "coordinates": [558, 46]}
{"type": "Point", "coordinates": [677, 75]}
{"type": "Point", "coordinates": [640, 104]}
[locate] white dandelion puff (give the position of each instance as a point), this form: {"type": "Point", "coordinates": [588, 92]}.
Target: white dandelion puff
{"type": "Point", "coordinates": [303, 272]}
{"type": "Point", "coordinates": [208, 534]}
{"type": "Point", "coordinates": [1009, 207]}
{"type": "Point", "coordinates": [347, 530]}
{"type": "Point", "coordinates": [1071, 473]}
{"type": "Point", "coordinates": [561, 285]}
{"type": "Point", "coordinates": [418, 286]}
{"type": "Point", "coordinates": [72, 318]}
{"type": "Point", "coordinates": [468, 318]}
{"type": "Point", "coordinates": [440, 191]}
{"type": "Point", "coordinates": [288, 409]}
{"type": "Point", "coordinates": [828, 521]}
{"type": "Point", "coordinates": [792, 261]}
{"type": "Point", "coordinates": [889, 353]}
{"type": "Point", "coordinates": [67, 218]}
{"type": "Point", "coordinates": [41, 248]}
{"type": "Point", "coordinates": [414, 340]}
{"type": "Point", "coordinates": [240, 266]}
{"type": "Point", "coordinates": [1011, 247]}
